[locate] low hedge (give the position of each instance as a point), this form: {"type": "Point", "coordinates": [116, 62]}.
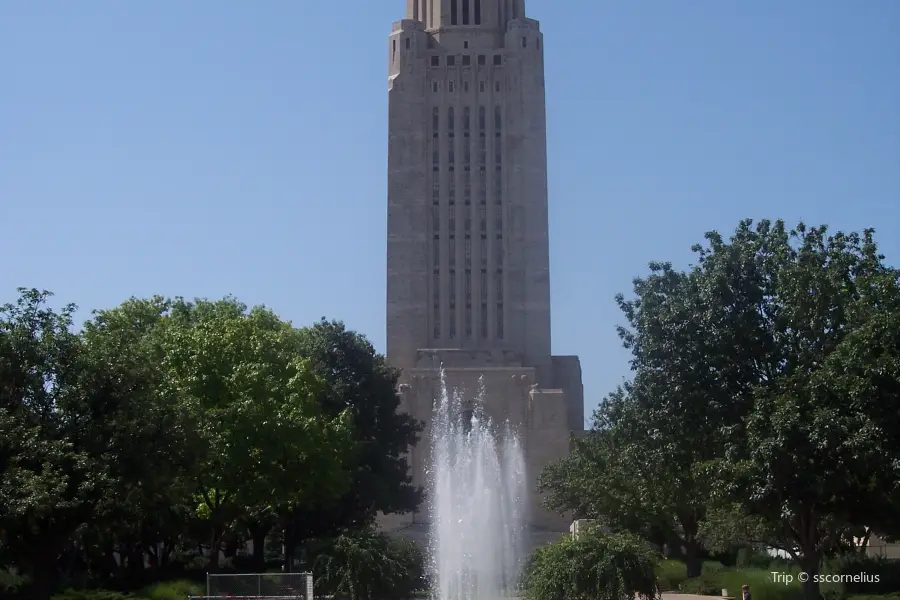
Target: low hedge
{"type": "Point", "coordinates": [168, 590]}
{"type": "Point", "coordinates": [172, 590]}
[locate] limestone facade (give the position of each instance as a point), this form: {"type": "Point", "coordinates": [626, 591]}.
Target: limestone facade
{"type": "Point", "coordinates": [468, 285]}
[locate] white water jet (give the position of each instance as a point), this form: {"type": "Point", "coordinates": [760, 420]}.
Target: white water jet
{"type": "Point", "coordinates": [478, 489]}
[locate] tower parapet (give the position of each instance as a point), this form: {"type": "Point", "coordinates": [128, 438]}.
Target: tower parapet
{"type": "Point", "coordinates": [485, 14]}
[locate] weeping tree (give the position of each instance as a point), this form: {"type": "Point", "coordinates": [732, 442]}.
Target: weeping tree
{"type": "Point", "coordinates": [366, 565]}
{"type": "Point", "coordinates": [592, 566]}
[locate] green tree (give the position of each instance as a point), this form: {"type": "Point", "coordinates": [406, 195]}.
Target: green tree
{"type": "Point", "coordinates": [817, 454]}
{"type": "Point", "coordinates": [147, 512]}
{"type": "Point", "coordinates": [365, 565]}
{"type": "Point", "coordinates": [592, 566]}
{"type": "Point", "coordinates": [624, 475]}
{"type": "Point", "coordinates": [358, 379]}
{"type": "Point", "coordinates": [764, 380]}
{"type": "Point", "coordinates": [77, 428]}
{"type": "Point", "coordinates": [255, 400]}
{"type": "Point", "coordinates": [649, 437]}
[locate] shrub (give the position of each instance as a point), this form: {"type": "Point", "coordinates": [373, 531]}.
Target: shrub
{"type": "Point", "coordinates": [10, 584]}
{"type": "Point", "coordinates": [172, 590]}
{"type": "Point", "coordinates": [92, 595]}
{"type": "Point", "coordinates": [592, 566]}
{"type": "Point", "coordinates": [412, 557]}
{"type": "Point", "coordinates": [670, 574]}
{"type": "Point", "coordinates": [753, 559]}
{"type": "Point", "coordinates": [707, 584]}
{"type": "Point", "coordinates": [762, 585]}
{"type": "Point", "coordinates": [887, 572]}
{"type": "Point", "coordinates": [367, 565]}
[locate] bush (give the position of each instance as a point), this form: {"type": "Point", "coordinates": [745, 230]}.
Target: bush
{"type": "Point", "coordinates": [10, 584]}
{"type": "Point", "coordinates": [887, 571]}
{"type": "Point", "coordinates": [592, 565]}
{"type": "Point", "coordinates": [762, 587]}
{"type": "Point", "coordinates": [92, 595]}
{"type": "Point", "coordinates": [670, 574]}
{"type": "Point", "coordinates": [367, 565]}
{"type": "Point", "coordinates": [172, 590]}
{"type": "Point", "coordinates": [750, 558]}
{"type": "Point", "coordinates": [412, 557]}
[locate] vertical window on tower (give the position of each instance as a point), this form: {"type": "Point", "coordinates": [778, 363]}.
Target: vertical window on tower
{"type": "Point", "coordinates": [478, 12]}
{"type": "Point", "coordinates": [452, 227]}
{"type": "Point", "coordinates": [436, 222]}
{"type": "Point", "coordinates": [451, 313]}
{"type": "Point", "coordinates": [451, 144]}
{"type": "Point", "coordinates": [451, 254]}
{"type": "Point", "coordinates": [468, 293]}
{"type": "Point", "coordinates": [436, 295]}
{"type": "Point", "coordinates": [484, 295]}
{"type": "Point", "coordinates": [499, 315]}
{"type": "Point", "coordinates": [482, 142]}
{"type": "Point", "coordinates": [453, 11]}
{"type": "Point", "coordinates": [465, 11]}
{"type": "Point", "coordinates": [498, 134]}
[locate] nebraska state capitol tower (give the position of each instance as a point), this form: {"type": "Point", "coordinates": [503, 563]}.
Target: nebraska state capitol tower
{"type": "Point", "coordinates": [468, 265]}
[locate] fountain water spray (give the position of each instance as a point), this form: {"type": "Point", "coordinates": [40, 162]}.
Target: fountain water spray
{"type": "Point", "coordinates": [478, 489]}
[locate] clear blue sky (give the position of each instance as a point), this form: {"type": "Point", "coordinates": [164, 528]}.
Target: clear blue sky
{"type": "Point", "coordinates": [207, 148]}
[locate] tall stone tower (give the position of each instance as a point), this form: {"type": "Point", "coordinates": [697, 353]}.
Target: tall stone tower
{"type": "Point", "coordinates": [468, 266]}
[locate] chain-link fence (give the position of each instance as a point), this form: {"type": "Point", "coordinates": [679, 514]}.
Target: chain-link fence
{"type": "Point", "coordinates": [261, 586]}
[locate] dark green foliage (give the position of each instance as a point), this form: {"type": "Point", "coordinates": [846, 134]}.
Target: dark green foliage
{"type": "Point", "coordinates": [887, 572]}
{"type": "Point", "coordinates": [359, 380]}
{"type": "Point", "coordinates": [764, 406]}
{"type": "Point", "coordinates": [368, 566]}
{"type": "Point", "coordinates": [173, 590]}
{"type": "Point", "coordinates": [92, 595]}
{"type": "Point", "coordinates": [593, 566]}
{"type": "Point", "coordinates": [166, 427]}
{"type": "Point", "coordinates": [670, 574]}
{"type": "Point", "coordinates": [753, 559]}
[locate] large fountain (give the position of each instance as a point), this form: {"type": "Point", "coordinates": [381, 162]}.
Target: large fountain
{"type": "Point", "coordinates": [478, 490]}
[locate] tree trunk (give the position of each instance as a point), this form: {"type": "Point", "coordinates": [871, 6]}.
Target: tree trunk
{"type": "Point", "coordinates": [288, 550]}
{"type": "Point", "coordinates": [44, 572]}
{"type": "Point", "coordinates": [692, 558]}
{"type": "Point", "coordinates": [215, 543]}
{"type": "Point", "coordinates": [259, 548]}
{"type": "Point", "coordinates": [231, 546]}
{"type": "Point", "coordinates": [809, 562]}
